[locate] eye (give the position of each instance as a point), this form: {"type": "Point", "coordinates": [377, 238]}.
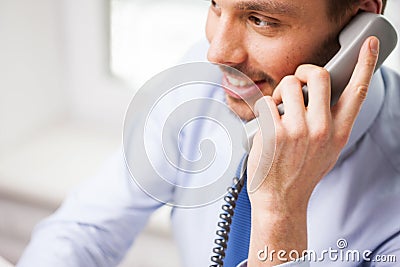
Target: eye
{"type": "Point", "coordinates": [261, 22]}
{"type": "Point", "coordinates": [215, 8]}
{"type": "Point", "coordinates": [214, 4]}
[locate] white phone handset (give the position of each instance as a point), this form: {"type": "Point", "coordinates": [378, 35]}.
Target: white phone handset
{"type": "Point", "coordinates": [341, 66]}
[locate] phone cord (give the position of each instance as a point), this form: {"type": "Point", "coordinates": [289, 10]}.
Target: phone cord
{"type": "Point", "coordinates": [226, 221]}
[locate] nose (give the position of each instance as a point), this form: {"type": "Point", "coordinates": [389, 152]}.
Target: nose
{"type": "Point", "coordinates": [226, 43]}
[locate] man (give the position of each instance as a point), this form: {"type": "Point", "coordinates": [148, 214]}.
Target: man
{"type": "Point", "coordinates": [327, 181]}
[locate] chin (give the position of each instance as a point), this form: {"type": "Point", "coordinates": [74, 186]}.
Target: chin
{"type": "Point", "coordinates": [242, 109]}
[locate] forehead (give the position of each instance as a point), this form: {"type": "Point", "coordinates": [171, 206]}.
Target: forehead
{"type": "Point", "coordinates": [279, 7]}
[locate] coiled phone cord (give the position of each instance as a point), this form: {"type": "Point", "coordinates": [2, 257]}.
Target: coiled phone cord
{"type": "Point", "coordinates": [226, 221]}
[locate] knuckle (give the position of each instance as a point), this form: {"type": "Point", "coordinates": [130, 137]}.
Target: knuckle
{"type": "Point", "coordinates": [370, 61]}
{"type": "Point", "coordinates": [302, 68]}
{"type": "Point", "coordinates": [322, 73]}
{"type": "Point", "coordinates": [268, 98]}
{"type": "Point", "coordinates": [320, 134]}
{"type": "Point", "coordinates": [362, 91]}
{"type": "Point", "coordinates": [341, 138]}
{"type": "Point", "coordinates": [297, 133]}
{"type": "Point", "coordinates": [280, 135]}
{"type": "Point", "coordinates": [291, 80]}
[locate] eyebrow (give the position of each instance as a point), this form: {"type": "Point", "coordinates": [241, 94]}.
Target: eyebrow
{"type": "Point", "coordinates": [268, 6]}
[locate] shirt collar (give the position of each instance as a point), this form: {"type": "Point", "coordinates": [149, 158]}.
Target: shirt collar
{"type": "Point", "coordinates": [368, 113]}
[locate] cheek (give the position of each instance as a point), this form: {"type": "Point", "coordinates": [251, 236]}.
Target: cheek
{"type": "Point", "coordinates": [277, 58]}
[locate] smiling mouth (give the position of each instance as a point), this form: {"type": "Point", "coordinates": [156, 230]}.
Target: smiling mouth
{"type": "Point", "coordinates": [241, 88]}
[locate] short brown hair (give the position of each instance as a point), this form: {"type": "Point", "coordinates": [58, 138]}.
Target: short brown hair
{"type": "Point", "coordinates": [338, 8]}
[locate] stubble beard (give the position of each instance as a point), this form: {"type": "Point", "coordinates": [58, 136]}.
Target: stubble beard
{"type": "Point", "coordinates": [245, 108]}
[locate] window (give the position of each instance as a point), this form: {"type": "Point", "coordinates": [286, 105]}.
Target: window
{"type": "Point", "coordinates": [150, 36]}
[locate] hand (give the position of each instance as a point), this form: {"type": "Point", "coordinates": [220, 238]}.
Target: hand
{"type": "Point", "coordinates": [308, 142]}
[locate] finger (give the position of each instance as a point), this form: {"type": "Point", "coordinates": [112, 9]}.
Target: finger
{"type": "Point", "coordinates": [267, 112]}
{"type": "Point", "coordinates": [289, 92]}
{"type": "Point", "coordinates": [319, 91]}
{"type": "Point", "coordinates": [347, 108]}
{"type": "Point", "coordinates": [262, 155]}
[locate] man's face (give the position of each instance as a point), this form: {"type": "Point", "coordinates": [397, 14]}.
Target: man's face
{"type": "Point", "coordinates": [267, 40]}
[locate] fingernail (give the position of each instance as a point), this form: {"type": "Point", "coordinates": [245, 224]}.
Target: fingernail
{"type": "Point", "coordinates": [374, 46]}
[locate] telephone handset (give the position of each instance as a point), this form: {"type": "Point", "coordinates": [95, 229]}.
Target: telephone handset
{"type": "Point", "coordinates": [341, 66]}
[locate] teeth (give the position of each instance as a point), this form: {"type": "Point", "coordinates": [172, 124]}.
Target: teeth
{"type": "Point", "coordinates": [239, 83]}
{"type": "Point", "coordinates": [233, 81]}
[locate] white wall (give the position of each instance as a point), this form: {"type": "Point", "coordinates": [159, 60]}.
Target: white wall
{"type": "Point", "coordinates": [31, 80]}
{"type": "Point", "coordinates": [54, 65]}
{"type": "Point", "coordinates": [143, 46]}
{"type": "Point", "coordinates": [96, 95]}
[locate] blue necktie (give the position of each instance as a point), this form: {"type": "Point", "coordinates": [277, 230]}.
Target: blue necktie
{"type": "Point", "coordinates": [239, 237]}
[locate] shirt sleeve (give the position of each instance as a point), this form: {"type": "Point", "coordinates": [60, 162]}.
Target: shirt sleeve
{"type": "Point", "coordinates": [96, 224]}
{"type": "Point", "coordinates": [386, 255]}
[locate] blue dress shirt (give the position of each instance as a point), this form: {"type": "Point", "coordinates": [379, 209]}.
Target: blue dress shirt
{"type": "Point", "coordinates": [357, 202]}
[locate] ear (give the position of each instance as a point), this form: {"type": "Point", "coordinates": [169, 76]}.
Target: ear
{"type": "Point", "coordinates": [373, 6]}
